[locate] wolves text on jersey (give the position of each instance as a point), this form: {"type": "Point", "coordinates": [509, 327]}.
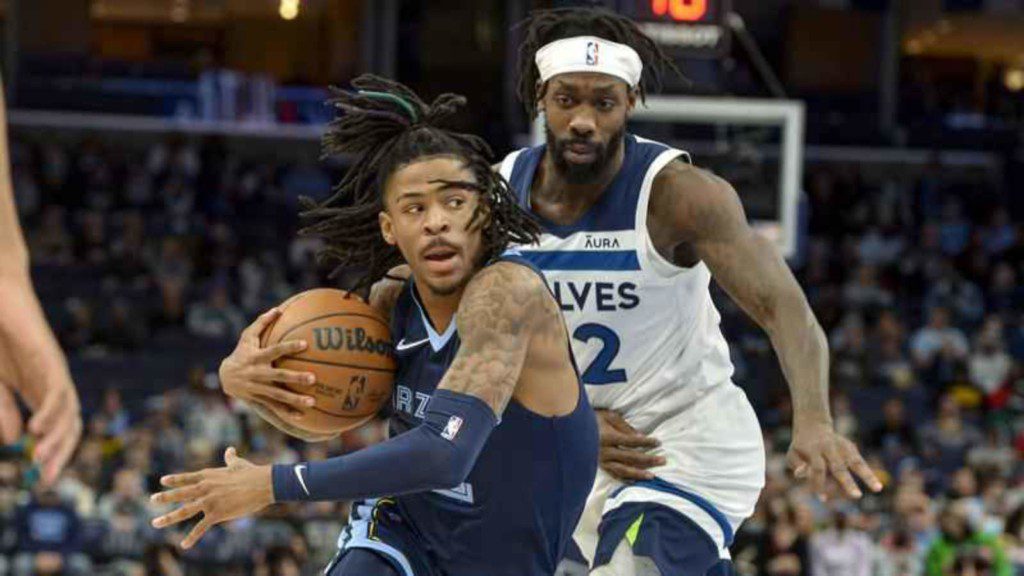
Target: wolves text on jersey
{"type": "Point", "coordinates": [599, 296]}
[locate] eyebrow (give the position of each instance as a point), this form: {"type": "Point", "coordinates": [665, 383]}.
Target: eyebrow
{"type": "Point", "coordinates": [444, 185]}
{"type": "Point", "coordinates": [410, 195]}
{"type": "Point", "coordinates": [456, 185]}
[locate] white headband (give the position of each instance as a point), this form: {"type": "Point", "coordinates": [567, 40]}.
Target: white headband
{"type": "Point", "coordinates": [589, 54]}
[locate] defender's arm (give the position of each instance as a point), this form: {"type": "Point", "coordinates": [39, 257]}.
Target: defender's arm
{"type": "Point", "coordinates": [704, 211]}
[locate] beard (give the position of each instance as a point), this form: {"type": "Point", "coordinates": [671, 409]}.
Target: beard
{"type": "Point", "coordinates": [575, 173]}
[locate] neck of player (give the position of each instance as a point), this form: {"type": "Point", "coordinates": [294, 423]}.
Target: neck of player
{"type": "Point", "coordinates": [573, 198]}
{"type": "Point", "coordinates": [440, 308]}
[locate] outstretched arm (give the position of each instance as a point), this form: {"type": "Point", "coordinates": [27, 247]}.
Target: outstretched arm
{"type": "Point", "coordinates": [703, 211]}
{"type": "Point", "coordinates": [31, 362]}
{"type": "Point", "coordinates": [496, 321]}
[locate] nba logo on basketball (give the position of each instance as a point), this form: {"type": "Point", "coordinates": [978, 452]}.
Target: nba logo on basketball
{"type": "Point", "coordinates": [591, 53]}
{"type": "Point", "coordinates": [452, 428]}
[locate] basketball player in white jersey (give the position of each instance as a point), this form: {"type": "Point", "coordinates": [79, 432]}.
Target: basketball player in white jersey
{"type": "Point", "coordinates": [633, 235]}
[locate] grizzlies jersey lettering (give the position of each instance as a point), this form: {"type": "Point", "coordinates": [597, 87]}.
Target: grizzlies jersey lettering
{"type": "Point", "coordinates": [645, 332]}
{"type": "Point", "coordinates": [516, 512]}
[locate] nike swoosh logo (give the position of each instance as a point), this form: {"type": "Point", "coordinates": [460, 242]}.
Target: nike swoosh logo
{"type": "Point", "coordinates": [403, 345]}
{"type": "Point", "coordinates": [298, 474]}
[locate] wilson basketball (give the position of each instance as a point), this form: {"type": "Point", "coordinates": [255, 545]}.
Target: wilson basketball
{"type": "Point", "coordinates": [349, 351]}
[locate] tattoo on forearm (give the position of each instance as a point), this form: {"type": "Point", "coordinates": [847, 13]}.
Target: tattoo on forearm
{"type": "Point", "coordinates": [502, 309]}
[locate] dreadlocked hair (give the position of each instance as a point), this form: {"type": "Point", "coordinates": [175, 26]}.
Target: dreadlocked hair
{"type": "Point", "coordinates": [383, 126]}
{"type": "Point", "coordinates": [546, 26]}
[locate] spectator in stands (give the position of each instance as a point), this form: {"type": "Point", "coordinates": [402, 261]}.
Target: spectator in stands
{"type": "Point", "coordinates": [282, 561]}
{"type": "Point", "coordinates": [91, 243]}
{"type": "Point", "coordinates": [162, 559]}
{"type": "Point", "coordinates": [124, 540]}
{"type": "Point", "coordinates": [1013, 539]}
{"type": "Point", "coordinates": [138, 188]}
{"type": "Point", "coordinates": [169, 440]}
{"type": "Point", "coordinates": [994, 454]}
{"type": "Point", "coordinates": [945, 441]}
{"type": "Point", "coordinates": [878, 249]}
{"type": "Point", "coordinates": [864, 293]}
{"type": "Point", "coordinates": [128, 265]}
{"type": "Point", "coordinates": [207, 418]}
{"type": "Point", "coordinates": [52, 243]}
{"type": "Point", "coordinates": [894, 438]}
{"type": "Point", "coordinates": [1004, 294]}
{"type": "Point", "coordinates": [172, 273]}
{"type": "Point", "coordinates": [217, 317]}
{"type": "Point", "coordinates": [962, 547]}
{"type": "Point", "coordinates": [964, 490]}
{"type": "Point", "coordinates": [784, 553]}
{"type": "Point", "coordinates": [117, 417]}
{"type": "Point", "coordinates": [957, 294]}
{"type": "Point", "coordinates": [27, 196]}
{"type": "Point", "coordinates": [76, 492]}
{"type": "Point", "coordinates": [1000, 234]}
{"type": "Point", "coordinates": [955, 230]}
{"type": "Point", "coordinates": [851, 362]}
{"type": "Point", "coordinates": [80, 332]}
{"type": "Point", "coordinates": [938, 347]}
{"type": "Point", "coordinates": [47, 531]}
{"type": "Point", "coordinates": [989, 363]}
{"type": "Point", "coordinates": [127, 496]}
{"type": "Point", "coordinates": [122, 330]}
{"type": "Point", "coordinates": [841, 550]}
{"type": "Point", "coordinates": [891, 368]}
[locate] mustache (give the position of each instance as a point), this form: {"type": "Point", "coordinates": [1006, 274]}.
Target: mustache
{"type": "Point", "coordinates": [439, 243]}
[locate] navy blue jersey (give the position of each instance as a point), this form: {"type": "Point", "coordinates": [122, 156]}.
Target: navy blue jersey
{"type": "Point", "coordinates": [515, 513]}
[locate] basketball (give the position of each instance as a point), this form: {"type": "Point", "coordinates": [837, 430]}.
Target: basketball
{"type": "Point", "coordinates": [349, 351]}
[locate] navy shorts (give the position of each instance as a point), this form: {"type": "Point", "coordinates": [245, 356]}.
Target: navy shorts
{"type": "Point", "coordinates": [673, 543]}
{"type": "Point", "coordinates": [376, 526]}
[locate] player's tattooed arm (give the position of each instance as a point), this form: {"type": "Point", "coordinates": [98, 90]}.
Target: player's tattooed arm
{"type": "Point", "coordinates": [702, 212]}
{"type": "Point", "coordinates": [385, 292]}
{"type": "Point", "coordinates": [504, 306]}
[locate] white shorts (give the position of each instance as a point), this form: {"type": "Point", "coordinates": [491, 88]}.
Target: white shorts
{"type": "Point", "coordinates": [714, 471]}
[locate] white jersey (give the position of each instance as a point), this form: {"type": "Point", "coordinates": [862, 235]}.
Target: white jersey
{"type": "Point", "coordinates": [645, 332]}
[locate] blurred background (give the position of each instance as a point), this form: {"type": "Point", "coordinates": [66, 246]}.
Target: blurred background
{"type": "Point", "coordinates": [159, 148]}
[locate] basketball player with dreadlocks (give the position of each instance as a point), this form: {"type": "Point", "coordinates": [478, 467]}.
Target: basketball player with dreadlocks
{"type": "Point", "coordinates": [478, 334]}
{"type": "Point", "coordinates": [633, 234]}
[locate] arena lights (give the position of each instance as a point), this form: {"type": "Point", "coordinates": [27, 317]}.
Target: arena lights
{"type": "Point", "coordinates": [680, 10]}
{"type": "Point", "coordinates": [1013, 79]}
{"type": "Point", "coordinates": [179, 10]}
{"type": "Point", "coordinates": [289, 9]}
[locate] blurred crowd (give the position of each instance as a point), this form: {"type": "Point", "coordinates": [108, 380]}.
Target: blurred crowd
{"type": "Point", "coordinates": [915, 279]}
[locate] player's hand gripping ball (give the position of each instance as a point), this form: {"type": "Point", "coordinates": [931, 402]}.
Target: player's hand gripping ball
{"type": "Point", "coordinates": [347, 351]}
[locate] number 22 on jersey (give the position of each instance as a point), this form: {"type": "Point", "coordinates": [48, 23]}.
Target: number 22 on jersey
{"type": "Point", "coordinates": [600, 370]}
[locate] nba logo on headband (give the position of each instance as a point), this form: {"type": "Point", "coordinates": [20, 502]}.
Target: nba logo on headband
{"type": "Point", "coordinates": [589, 54]}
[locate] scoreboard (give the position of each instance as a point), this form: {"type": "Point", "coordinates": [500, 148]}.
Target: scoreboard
{"type": "Point", "coordinates": [687, 28]}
